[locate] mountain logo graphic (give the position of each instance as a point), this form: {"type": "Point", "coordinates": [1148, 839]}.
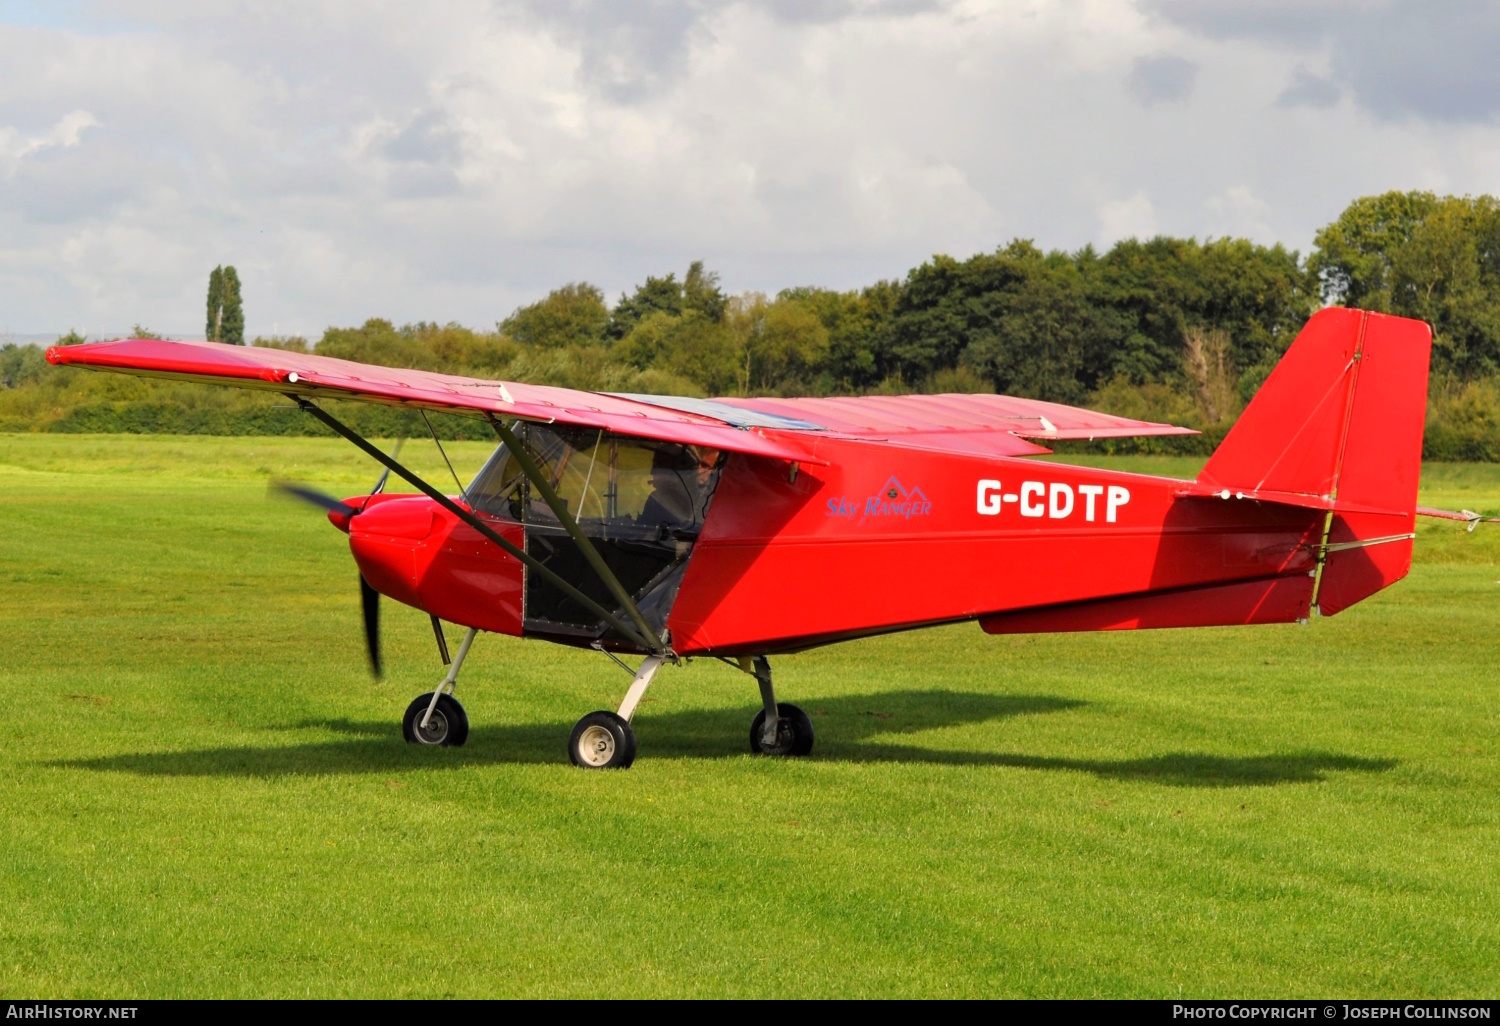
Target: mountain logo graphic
{"type": "Point", "coordinates": [892, 499]}
{"type": "Point", "coordinates": [896, 500]}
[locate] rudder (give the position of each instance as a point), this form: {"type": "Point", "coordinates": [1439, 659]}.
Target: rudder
{"type": "Point", "coordinates": [1339, 423]}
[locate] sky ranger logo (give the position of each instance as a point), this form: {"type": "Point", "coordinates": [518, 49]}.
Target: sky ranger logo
{"type": "Point", "coordinates": [892, 500]}
{"type": "Point", "coordinates": [1056, 501]}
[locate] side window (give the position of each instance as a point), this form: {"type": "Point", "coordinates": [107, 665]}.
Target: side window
{"type": "Point", "coordinates": [632, 478]}
{"type": "Point", "coordinates": [576, 465]}
{"type": "Point", "coordinates": [664, 484]}
{"type": "Point", "coordinates": [581, 477]}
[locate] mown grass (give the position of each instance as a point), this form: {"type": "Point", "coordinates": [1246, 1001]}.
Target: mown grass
{"type": "Point", "coordinates": [204, 794]}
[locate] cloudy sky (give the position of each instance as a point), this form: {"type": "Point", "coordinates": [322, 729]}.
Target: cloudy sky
{"type": "Point", "coordinates": [451, 160]}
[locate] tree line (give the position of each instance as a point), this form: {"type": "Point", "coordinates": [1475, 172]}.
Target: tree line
{"type": "Point", "coordinates": [1169, 329]}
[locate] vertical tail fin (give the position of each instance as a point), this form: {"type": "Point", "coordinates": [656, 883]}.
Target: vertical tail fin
{"type": "Point", "coordinates": [1339, 422]}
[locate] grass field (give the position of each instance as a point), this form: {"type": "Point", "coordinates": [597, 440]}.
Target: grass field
{"type": "Point", "coordinates": [203, 794]}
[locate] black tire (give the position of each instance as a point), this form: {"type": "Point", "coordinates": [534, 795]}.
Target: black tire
{"type": "Point", "coordinates": [794, 732]}
{"type": "Point", "coordinates": [448, 727]}
{"type": "Point", "coordinates": [602, 740]}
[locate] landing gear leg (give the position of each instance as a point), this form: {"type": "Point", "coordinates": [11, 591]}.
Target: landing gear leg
{"type": "Point", "coordinates": [436, 718]}
{"type": "Point", "coordinates": [605, 740]}
{"type": "Point", "coordinates": [770, 716]}
{"type": "Point", "coordinates": [780, 728]}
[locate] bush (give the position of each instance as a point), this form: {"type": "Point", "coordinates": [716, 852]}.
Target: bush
{"type": "Point", "coordinates": [1463, 422]}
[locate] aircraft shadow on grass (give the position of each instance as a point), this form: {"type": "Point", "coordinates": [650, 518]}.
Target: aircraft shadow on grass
{"type": "Point", "coordinates": [852, 728]}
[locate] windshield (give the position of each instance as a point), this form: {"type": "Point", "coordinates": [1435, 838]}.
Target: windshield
{"type": "Point", "coordinates": [496, 489]}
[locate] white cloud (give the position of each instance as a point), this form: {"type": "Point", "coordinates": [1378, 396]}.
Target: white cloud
{"type": "Point", "coordinates": [1133, 217]}
{"type": "Point", "coordinates": [454, 160]}
{"type": "Point", "coordinates": [15, 147]}
{"type": "Point", "coordinates": [1238, 212]}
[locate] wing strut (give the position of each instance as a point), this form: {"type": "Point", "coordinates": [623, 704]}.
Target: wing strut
{"type": "Point", "coordinates": [559, 508]}
{"type": "Point", "coordinates": [473, 521]}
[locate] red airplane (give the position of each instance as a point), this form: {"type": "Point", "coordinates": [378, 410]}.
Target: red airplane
{"type": "Point", "coordinates": [671, 527]}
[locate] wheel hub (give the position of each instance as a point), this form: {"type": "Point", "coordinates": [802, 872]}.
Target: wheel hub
{"type": "Point", "coordinates": [783, 742]}
{"type": "Point", "coordinates": [436, 731]}
{"type": "Point", "coordinates": [596, 746]}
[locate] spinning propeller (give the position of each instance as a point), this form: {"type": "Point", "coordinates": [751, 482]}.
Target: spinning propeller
{"type": "Point", "coordinates": [313, 497]}
{"type": "Point", "coordinates": [369, 598]}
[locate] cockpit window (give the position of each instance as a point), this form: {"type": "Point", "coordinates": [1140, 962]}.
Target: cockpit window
{"type": "Point", "coordinates": [576, 465]}
{"type": "Point", "coordinates": [612, 485]}
{"type": "Point", "coordinates": [641, 503]}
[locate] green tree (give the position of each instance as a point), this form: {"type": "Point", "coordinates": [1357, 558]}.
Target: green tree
{"type": "Point", "coordinates": [211, 331]}
{"type": "Point", "coordinates": [1419, 255]}
{"type": "Point", "coordinates": [701, 292]}
{"type": "Point", "coordinates": [378, 341]}
{"type": "Point", "coordinates": [232, 323]}
{"type": "Point", "coordinates": [574, 315]}
{"type": "Point", "coordinates": [23, 365]}
{"type": "Point", "coordinates": [1445, 275]}
{"type": "Point", "coordinates": [858, 325]}
{"type": "Point", "coordinates": [689, 346]}
{"type": "Point", "coordinates": [784, 344]}
{"type": "Point", "coordinates": [698, 292]}
{"type": "Point", "coordinates": [226, 316]}
{"type": "Point", "coordinates": [655, 295]}
{"type": "Point", "coordinates": [449, 348]}
{"type": "Point", "coordinates": [1352, 256]}
{"type": "Point", "coordinates": [1159, 290]}
{"type": "Point", "coordinates": [1017, 317]}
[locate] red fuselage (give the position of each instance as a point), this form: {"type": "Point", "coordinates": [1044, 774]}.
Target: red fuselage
{"type": "Point", "coordinates": [886, 538]}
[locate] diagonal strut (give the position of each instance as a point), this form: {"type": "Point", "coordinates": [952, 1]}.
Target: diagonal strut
{"type": "Point", "coordinates": [473, 521]}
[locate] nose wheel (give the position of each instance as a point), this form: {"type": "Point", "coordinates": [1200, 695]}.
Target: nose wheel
{"type": "Point", "coordinates": [447, 725]}
{"type": "Point", "coordinates": [436, 718]}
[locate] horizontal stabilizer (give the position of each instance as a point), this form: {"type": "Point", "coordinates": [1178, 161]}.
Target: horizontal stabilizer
{"type": "Point", "coordinates": [1298, 499]}
{"type": "Point", "coordinates": [1468, 516]}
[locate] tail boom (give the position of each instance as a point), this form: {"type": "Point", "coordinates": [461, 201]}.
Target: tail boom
{"type": "Point", "coordinates": [1266, 600]}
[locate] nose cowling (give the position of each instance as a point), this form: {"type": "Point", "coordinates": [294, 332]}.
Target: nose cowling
{"type": "Point", "coordinates": [356, 505]}
{"type": "Point", "coordinates": [416, 552]}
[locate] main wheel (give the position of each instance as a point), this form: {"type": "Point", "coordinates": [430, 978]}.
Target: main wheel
{"type": "Point", "coordinates": [448, 725]}
{"type": "Point", "coordinates": [794, 732]}
{"type": "Point", "coordinates": [602, 740]}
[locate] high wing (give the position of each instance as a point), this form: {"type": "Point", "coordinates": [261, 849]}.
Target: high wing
{"type": "Point", "coordinates": [788, 429]}
{"type": "Point", "coordinates": [323, 377]}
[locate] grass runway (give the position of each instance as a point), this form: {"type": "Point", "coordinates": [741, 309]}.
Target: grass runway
{"type": "Point", "coordinates": [203, 793]}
